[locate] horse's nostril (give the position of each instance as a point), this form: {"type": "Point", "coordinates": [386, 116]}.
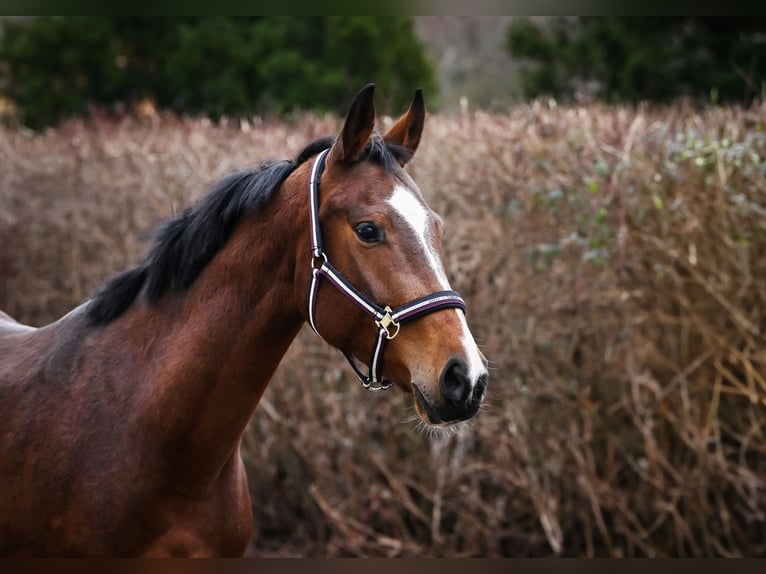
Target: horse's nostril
{"type": "Point", "coordinates": [454, 382]}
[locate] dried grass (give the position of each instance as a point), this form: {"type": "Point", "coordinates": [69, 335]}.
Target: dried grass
{"type": "Point", "coordinates": [613, 263]}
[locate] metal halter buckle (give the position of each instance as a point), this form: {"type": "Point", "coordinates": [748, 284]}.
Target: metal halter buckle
{"type": "Point", "coordinates": [387, 321]}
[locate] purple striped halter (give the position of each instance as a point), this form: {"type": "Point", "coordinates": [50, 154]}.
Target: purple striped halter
{"type": "Point", "coordinates": [388, 321]}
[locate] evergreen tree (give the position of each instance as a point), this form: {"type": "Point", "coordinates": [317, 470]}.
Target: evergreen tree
{"type": "Point", "coordinates": [643, 58]}
{"type": "Point", "coordinates": [54, 67]}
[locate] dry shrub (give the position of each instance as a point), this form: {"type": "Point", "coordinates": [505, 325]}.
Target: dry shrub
{"type": "Point", "coordinates": [613, 263]}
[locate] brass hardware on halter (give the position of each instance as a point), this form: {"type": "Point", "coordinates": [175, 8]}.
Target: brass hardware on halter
{"type": "Point", "coordinates": [386, 321]}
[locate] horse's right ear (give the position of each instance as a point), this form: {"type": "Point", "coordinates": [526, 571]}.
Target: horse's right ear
{"type": "Point", "coordinates": [357, 128]}
{"type": "Point", "coordinates": [407, 130]}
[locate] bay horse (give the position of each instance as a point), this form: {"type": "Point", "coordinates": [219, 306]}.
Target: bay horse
{"type": "Point", "coordinates": [121, 422]}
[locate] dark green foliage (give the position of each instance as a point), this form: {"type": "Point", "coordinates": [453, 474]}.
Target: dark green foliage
{"type": "Point", "coordinates": [628, 59]}
{"type": "Point", "coordinates": [54, 67]}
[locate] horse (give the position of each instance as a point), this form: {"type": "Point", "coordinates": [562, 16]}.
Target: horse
{"type": "Point", "coordinates": [121, 422]}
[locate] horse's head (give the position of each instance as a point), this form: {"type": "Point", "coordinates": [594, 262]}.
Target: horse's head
{"type": "Point", "coordinates": [379, 291]}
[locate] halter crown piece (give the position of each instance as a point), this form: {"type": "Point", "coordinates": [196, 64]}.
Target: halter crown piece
{"type": "Point", "coordinates": [387, 321]}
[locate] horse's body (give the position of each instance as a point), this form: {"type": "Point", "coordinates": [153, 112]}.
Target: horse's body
{"type": "Point", "coordinates": [120, 423]}
{"type": "Point", "coordinates": [123, 439]}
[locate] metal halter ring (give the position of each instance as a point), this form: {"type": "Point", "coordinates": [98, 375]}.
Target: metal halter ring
{"type": "Point", "coordinates": [387, 321]}
{"type": "Point", "coordinates": [320, 258]}
{"type": "Point", "coordinates": [381, 386]}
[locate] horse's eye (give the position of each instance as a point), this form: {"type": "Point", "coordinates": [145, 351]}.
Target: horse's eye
{"type": "Point", "coordinates": [368, 233]}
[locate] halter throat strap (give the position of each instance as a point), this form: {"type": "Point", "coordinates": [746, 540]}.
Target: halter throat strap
{"type": "Point", "coordinates": [387, 321]}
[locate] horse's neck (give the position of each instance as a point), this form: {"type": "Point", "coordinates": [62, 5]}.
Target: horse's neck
{"type": "Point", "coordinates": [220, 343]}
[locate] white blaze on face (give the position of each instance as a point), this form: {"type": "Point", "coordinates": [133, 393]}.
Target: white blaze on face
{"type": "Point", "coordinates": [407, 205]}
{"type": "Point", "coordinates": [418, 218]}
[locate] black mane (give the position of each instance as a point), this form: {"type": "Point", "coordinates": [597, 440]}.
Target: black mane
{"type": "Point", "coordinates": [184, 245]}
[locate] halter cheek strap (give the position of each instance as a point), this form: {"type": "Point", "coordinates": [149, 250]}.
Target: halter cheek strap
{"type": "Point", "coordinates": [387, 321]}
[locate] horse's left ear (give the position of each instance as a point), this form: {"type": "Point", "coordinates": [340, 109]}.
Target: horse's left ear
{"type": "Point", "coordinates": [407, 129]}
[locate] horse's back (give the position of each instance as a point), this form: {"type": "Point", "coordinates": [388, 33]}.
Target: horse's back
{"type": "Point", "coordinates": [10, 326]}
{"type": "Point", "coordinates": [19, 345]}
{"type": "Point", "coordinates": [18, 348]}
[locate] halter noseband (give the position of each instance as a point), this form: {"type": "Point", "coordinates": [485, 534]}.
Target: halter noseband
{"type": "Point", "coordinates": [387, 321]}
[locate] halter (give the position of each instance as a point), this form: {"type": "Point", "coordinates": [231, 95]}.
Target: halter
{"type": "Point", "coordinates": [387, 321]}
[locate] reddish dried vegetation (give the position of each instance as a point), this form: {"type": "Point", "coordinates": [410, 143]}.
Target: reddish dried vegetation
{"type": "Point", "coordinates": [614, 264]}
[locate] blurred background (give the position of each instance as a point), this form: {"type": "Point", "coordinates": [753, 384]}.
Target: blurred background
{"type": "Point", "coordinates": [604, 188]}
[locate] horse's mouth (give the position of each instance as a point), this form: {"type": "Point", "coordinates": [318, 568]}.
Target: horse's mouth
{"type": "Point", "coordinates": [448, 413]}
{"type": "Point", "coordinates": [423, 407]}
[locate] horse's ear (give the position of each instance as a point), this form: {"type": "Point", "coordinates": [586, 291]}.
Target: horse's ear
{"type": "Point", "coordinates": [357, 128]}
{"type": "Point", "coordinates": [407, 129]}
